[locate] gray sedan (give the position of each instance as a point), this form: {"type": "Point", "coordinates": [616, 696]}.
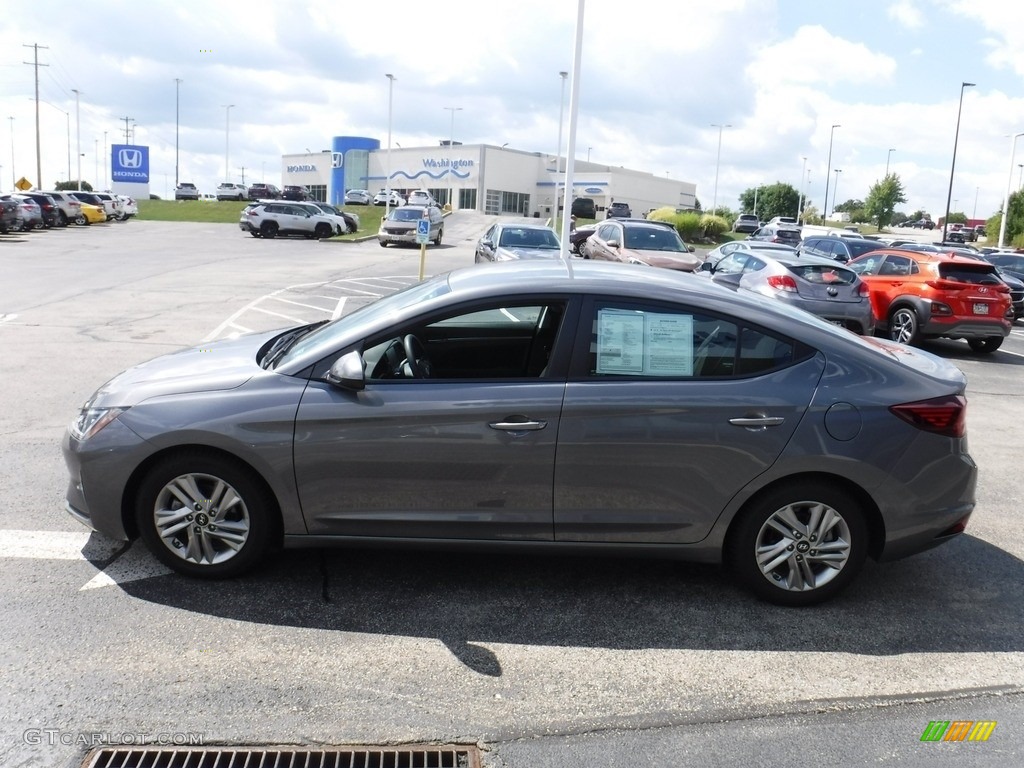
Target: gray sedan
{"type": "Point", "coordinates": [823, 287]}
{"type": "Point", "coordinates": [512, 242]}
{"type": "Point", "coordinates": [551, 405]}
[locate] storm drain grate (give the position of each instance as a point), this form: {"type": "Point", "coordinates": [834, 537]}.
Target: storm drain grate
{"type": "Point", "coordinates": [284, 757]}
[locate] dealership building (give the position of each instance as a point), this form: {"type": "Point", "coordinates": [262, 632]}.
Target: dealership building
{"type": "Point", "coordinates": [479, 177]}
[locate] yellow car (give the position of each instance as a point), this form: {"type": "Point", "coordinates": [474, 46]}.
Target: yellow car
{"type": "Point", "coordinates": [91, 214]}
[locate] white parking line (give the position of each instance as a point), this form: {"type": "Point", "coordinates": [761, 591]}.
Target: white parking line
{"type": "Point", "coordinates": [134, 565]}
{"type": "Point", "coordinates": [296, 320]}
{"type": "Point", "coordinates": [339, 308]}
{"type": "Point", "coordinates": [43, 545]}
{"type": "Point", "coordinates": [7, 318]}
{"type": "Point", "coordinates": [300, 304]}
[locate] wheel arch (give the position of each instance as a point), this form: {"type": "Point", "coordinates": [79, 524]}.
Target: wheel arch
{"type": "Point", "coordinates": [131, 488]}
{"type": "Point", "coordinates": [872, 514]}
{"type": "Point", "coordinates": [923, 308]}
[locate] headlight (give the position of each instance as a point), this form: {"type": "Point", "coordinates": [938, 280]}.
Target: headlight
{"type": "Point", "coordinates": [91, 420]}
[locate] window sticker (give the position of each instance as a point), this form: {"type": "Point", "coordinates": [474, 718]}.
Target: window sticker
{"type": "Point", "coordinates": [644, 343]}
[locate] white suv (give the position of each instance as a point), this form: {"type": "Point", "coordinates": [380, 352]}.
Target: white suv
{"type": "Point", "coordinates": [420, 197]}
{"type": "Point", "coordinates": [284, 217]}
{"type": "Point", "coordinates": [229, 191]}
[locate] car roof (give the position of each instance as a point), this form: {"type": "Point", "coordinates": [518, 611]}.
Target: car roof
{"type": "Point", "coordinates": [517, 225]}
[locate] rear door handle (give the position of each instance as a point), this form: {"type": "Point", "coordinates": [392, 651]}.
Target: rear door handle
{"type": "Point", "coordinates": [518, 426]}
{"type": "Point", "coordinates": [757, 423]}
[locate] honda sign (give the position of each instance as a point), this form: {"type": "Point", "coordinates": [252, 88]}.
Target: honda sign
{"type": "Point", "coordinates": [129, 162]}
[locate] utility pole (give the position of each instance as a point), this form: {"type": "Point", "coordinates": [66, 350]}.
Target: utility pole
{"type": "Point", "coordinates": [242, 169]}
{"type": "Point", "coordinates": [78, 137]}
{"type": "Point", "coordinates": [39, 155]}
{"type": "Point", "coordinates": [177, 87]}
{"type": "Point", "coordinates": [127, 129]}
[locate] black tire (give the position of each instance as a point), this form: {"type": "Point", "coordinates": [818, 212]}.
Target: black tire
{"type": "Point", "coordinates": [323, 231]}
{"type": "Point", "coordinates": [986, 345]}
{"type": "Point", "coordinates": [794, 572]}
{"type": "Point", "coordinates": [904, 326]}
{"type": "Point", "coordinates": [268, 229]}
{"type": "Point", "coordinates": [440, 233]}
{"type": "Point", "coordinates": [62, 218]}
{"type": "Point", "coordinates": [81, 221]}
{"type": "Point", "coordinates": [199, 548]}
{"type": "Point", "coordinates": [383, 243]}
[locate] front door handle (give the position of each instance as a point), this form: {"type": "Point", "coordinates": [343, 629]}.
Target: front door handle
{"type": "Point", "coordinates": [757, 423]}
{"type": "Point", "coordinates": [518, 426]}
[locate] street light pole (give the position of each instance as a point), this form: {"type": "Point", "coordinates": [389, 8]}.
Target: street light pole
{"type": "Point", "coordinates": [177, 87]}
{"type": "Point", "coordinates": [14, 179]}
{"type": "Point", "coordinates": [227, 140]}
{"type": "Point", "coordinates": [952, 166]}
{"type": "Point", "coordinates": [828, 170]}
{"type": "Point", "coordinates": [453, 110]}
{"type": "Point", "coordinates": [887, 157]}
{"type": "Point", "coordinates": [800, 197]}
{"type": "Point", "coordinates": [835, 191]}
{"type": "Point", "coordinates": [387, 170]}
{"type": "Point", "coordinates": [718, 162]}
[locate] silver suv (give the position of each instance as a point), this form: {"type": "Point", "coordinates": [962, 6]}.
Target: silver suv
{"type": "Point", "coordinates": [68, 208]}
{"type": "Point", "coordinates": [186, 191]}
{"type": "Point", "coordinates": [343, 223]}
{"type": "Point", "coordinates": [273, 218]}
{"type": "Point", "coordinates": [400, 225]}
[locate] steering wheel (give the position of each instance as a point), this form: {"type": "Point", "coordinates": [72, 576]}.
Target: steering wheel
{"type": "Point", "coordinates": [416, 357]}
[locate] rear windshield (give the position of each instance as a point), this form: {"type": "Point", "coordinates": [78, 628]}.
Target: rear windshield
{"type": "Point", "coordinates": [859, 249]}
{"type": "Point", "coordinates": [823, 274]}
{"type": "Point", "coordinates": [788, 234]}
{"type": "Point", "coordinates": [968, 273]}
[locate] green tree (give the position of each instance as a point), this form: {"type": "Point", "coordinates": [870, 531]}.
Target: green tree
{"type": "Point", "coordinates": [849, 206]}
{"type": "Point", "coordinates": [1014, 220]}
{"type": "Point", "coordinates": [62, 186]}
{"type": "Point", "coordinates": [778, 199]}
{"type": "Point", "coordinates": [883, 198]}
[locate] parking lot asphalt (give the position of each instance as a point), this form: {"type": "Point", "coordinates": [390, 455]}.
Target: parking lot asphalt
{"type": "Point", "coordinates": [542, 661]}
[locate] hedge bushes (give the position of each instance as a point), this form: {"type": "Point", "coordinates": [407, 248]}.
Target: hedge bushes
{"type": "Point", "coordinates": [690, 225]}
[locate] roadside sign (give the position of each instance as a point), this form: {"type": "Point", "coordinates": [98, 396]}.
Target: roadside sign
{"type": "Point", "coordinates": [23, 184]}
{"type": "Point", "coordinates": [423, 231]}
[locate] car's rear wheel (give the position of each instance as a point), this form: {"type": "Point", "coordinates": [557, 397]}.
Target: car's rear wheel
{"type": "Point", "coordinates": [323, 230]}
{"type": "Point", "coordinates": [904, 326]}
{"type": "Point", "coordinates": [799, 544]}
{"type": "Point", "coordinates": [204, 515]}
{"type": "Point", "coordinates": [80, 220]}
{"type": "Point", "coordinates": [440, 233]}
{"type": "Point", "coordinates": [986, 345]}
{"type": "Point", "coordinates": [63, 218]}
{"type": "Point", "coordinates": [268, 229]}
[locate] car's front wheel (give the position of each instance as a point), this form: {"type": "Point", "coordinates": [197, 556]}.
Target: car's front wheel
{"type": "Point", "coordinates": [904, 326]}
{"type": "Point", "coordinates": [799, 544]}
{"type": "Point", "coordinates": [323, 231]}
{"type": "Point", "coordinates": [440, 233]}
{"type": "Point", "coordinates": [204, 515]}
{"type": "Point", "coordinates": [986, 345]}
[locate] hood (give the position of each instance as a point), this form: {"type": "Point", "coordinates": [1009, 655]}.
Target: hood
{"type": "Point", "coordinates": [511, 254]}
{"type": "Point", "coordinates": [686, 262]}
{"type": "Point", "coordinates": [218, 365]}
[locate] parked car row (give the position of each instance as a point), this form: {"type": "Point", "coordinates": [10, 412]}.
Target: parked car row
{"type": "Point", "coordinates": [25, 211]}
{"type": "Point", "coordinates": [273, 218]}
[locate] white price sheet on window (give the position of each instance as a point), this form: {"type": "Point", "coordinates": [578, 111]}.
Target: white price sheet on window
{"type": "Point", "coordinates": [645, 343]}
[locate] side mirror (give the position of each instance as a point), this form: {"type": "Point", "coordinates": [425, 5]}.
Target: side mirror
{"type": "Point", "coordinates": [612, 243]}
{"type": "Point", "coordinates": [487, 243]}
{"type": "Point", "coordinates": [690, 248]}
{"type": "Point", "coordinates": [706, 266]}
{"type": "Point", "coordinates": [347, 372]}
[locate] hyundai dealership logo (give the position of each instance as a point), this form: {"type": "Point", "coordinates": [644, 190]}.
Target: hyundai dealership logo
{"type": "Point", "coordinates": [130, 158]}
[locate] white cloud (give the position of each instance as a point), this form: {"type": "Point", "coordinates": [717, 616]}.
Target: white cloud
{"type": "Point", "coordinates": [906, 13]}
{"type": "Point", "coordinates": [815, 55]}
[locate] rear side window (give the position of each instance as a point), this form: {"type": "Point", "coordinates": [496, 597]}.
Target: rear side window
{"type": "Point", "coordinates": [661, 342]}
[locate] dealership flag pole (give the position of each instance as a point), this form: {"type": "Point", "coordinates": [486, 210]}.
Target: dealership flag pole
{"type": "Point", "coordinates": [570, 155]}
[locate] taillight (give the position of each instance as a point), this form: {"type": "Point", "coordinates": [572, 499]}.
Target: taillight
{"type": "Point", "coordinates": [782, 283]}
{"type": "Point", "coordinates": [863, 291]}
{"type": "Point", "coordinates": [945, 415]}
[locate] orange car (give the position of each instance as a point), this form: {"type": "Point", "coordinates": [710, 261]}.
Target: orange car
{"type": "Point", "coordinates": [917, 295]}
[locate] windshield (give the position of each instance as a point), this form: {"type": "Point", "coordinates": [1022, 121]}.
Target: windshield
{"type": "Point", "coordinates": [528, 238]}
{"type": "Point", "coordinates": [653, 239]}
{"type": "Point", "coordinates": [330, 336]}
{"type": "Point", "coordinates": [406, 214]}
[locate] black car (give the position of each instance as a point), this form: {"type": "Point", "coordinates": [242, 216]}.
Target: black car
{"type": "Point", "coordinates": [619, 211]}
{"type": "Point", "coordinates": [8, 214]}
{"type": "Point", "coordinates": [583, 208]}
{"type": "Point", "coordinates": [264, 192]}
{"type": "Point", "coordinates": [48, 207]}
{"type": "Point", "coordinates": [293, 192]}
{"type": "Point", "coordinates": [841, 249]}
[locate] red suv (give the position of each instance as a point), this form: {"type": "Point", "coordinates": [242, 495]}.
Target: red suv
{"type": "Point", "coordinates": [917, 295]}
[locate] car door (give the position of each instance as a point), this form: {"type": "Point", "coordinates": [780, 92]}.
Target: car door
{"type": "Point", "coordinates": [606, 243]}
{"type": "Point", "coordinates": [669, 411]}
{"type": "Point", "coordinates": [467, 453]}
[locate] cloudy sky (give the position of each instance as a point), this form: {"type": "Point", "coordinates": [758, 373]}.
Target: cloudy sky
{"type": "Point", "coordinates": [654, 78]}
